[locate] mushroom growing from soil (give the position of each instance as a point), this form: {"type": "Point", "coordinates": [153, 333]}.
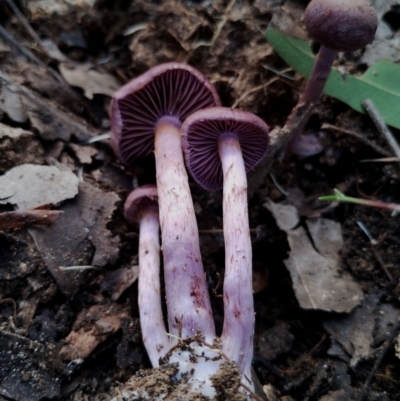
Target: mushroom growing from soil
{"type": "Point", "coordinates": [146, 115]}
{"type": "Point", "coordinates": [141, 208]}
{"type": "Point", "coordinates": [339, 26]}
{"type": "Point", "coordinates": [220, 146]}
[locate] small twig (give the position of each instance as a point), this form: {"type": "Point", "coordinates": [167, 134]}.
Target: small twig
{"type": "Point", "coordinates": [12, 302]}
{"type": "Point", "coordinates": [278, 185]}
{"type": "Point", "coordinates": [374, 243]}
{"type": "Point", "coordinates": [97, 138]}
{"type": "Point", "coordinates": [25, 23]}
{"type": "Point", "coordinates": [257, 88]}
{"type": "Point", "coordinates": [382, 264]}
{"type": "Point", "coordinates": [359, 136]}
{"type": "Point", "coordinates": [387, 344]}
{"type": "Point", "coordinates": [30, 56]}
{"type": "Point", "coordinates": [382, 160]}
{"type": "Point", "coordinates": [381, 126]}
{"type": "Point", "coordinates": [88, 267]}
{"type": "Point", "coordinates": [367, 232]}
{"type": "Point", "coordinates": [319, 343]}
{"type": "Point", "coordinates": [221, 24]}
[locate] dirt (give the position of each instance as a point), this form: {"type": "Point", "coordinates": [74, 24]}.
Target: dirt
{"type": "Point", "coordinates": [294, 351]}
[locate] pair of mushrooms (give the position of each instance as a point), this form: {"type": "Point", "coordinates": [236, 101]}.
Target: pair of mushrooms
{"type": "Point", "coordinates": [173, 110]}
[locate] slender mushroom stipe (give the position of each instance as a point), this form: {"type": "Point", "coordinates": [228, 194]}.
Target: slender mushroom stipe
{"type": "Point", "coordinates": [141, 208]}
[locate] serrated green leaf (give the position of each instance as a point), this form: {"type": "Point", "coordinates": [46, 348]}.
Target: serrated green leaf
{"type": "Point", "coordinates": [380, 83]}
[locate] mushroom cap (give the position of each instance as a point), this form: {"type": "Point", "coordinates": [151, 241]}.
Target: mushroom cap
{"type": "Point", "coordinates": [341, 25]}
{"type": "Point", "coordinates": [201, 132]}
{"type": "Point", "coordinates": [139, 201]}
{"type": "Point", "coordinates": [171, 90]}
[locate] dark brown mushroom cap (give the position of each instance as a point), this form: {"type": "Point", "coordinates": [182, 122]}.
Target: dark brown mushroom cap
{"type": "Point", "coordinates": [172, 90]}
{"type": "Point", "coordinates": [140, 200]}
{"type": "Point", "coordinates": [341, 25]}
{"type": "Point", "coordinates": [201, 132]}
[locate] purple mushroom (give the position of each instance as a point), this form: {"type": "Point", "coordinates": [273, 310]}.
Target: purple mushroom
{"type": "Point", "coordinates": [220, 145]}
{"type": "Point", "coordinates": [141, 208]}
{"type": "Point", "coordinates": [339, 26]}
{"type": "Point", "coordinates": [146, 115]}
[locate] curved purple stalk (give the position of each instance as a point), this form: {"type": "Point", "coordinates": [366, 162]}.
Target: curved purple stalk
{"type": "Point", "coordinates": [312, 92]}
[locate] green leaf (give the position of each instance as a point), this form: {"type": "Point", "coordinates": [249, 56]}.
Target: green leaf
{"type": "Point", "coordinates": [380, 83]}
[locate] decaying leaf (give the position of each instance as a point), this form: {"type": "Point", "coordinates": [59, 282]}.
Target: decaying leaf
{"type": "Point", "coordinates": [84, 154]}
{"type": "Point", "coordinates": [46, 8]}
{"type": "Point", "coordinates": [30, 185]}
{"type": "Point", "coordinates": [117, 281]}
{"type": "Point", "coordinates": [91, 81]}
{"type": "Point", "coordinates": [318, 280]}
{"type": "Point", "coordinates": [12, 132]}
{"type": "Point", "coordinates": [91, 328]}
{"type": "Point", "coordinates": [354, 331]}
{"type": "Point", "coordinates": [18, 146]}
{"type": "Point", "coordinates": [354, 336]}
{"type": "Point", "coordinates": [79, 237]}
{"type": "Point", "coordinates": [339, 395]}
{"type": "Point", "coordinates": [45, 116]}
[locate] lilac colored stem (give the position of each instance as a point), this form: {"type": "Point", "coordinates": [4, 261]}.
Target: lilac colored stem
{"type": "Point", "coordinates": [188, 301]}
{"type": "Point", "coordinates": [154, 333]}
{"type": "Point", "coordinates": [239, 320]}
{"type": "Point", "coordinates": [319, 75]}
{"type": "Point", "coordinates": [300, 115]}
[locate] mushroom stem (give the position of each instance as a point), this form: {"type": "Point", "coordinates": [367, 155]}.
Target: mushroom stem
{"type": "Point", "coordinates": [238, 330]}
{"type": "Point", "coordinates": [312, 91]}
{"type": "Point", "coordinates": [319, 75]}
{"type": "Point", "coordinates": [188, 303]}
{"type": "Point", "coordinates": [154, 334]}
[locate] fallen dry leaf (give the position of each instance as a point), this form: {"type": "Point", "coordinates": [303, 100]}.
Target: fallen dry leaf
{"type": "Point", "coordinates": [31, 185]}
{"type": "Point", "coordinates": [84, 154]}
{"type": "Point", "coordinates": [91, 81]}
{"type": "Point", "coordinates": [45, 116]}
{"type": "Point", "coordinates": [318, 280]}
{"type": "Point", "coordinates": [339, 395]}
{"type": "Point", "coordinates": [11, 132]}
{"type": "Point", "coordinates": [79, 237]}
{"type": "Point", "coordinates": [117, 281]}
{"type": "Point", "coordinates": [91, 328]}
{"type": "Point", "coordinates": [42, 8]}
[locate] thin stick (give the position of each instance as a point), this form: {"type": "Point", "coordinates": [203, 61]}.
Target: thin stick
{"type": "Point", "coordinates": [30, 56]}
{"type": "Point", "coordinates": [381, 126]}
{"type": "Point", "coordinates": [25, 23]}
{"type": "Point", "coordinates": [8, 38]}
{"type": "Point", "coordinates": [257, 88]}
{"type": "Point", "coordinates": [387, 344]}
{"type": "Point", "coordinates": [359, 136]}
